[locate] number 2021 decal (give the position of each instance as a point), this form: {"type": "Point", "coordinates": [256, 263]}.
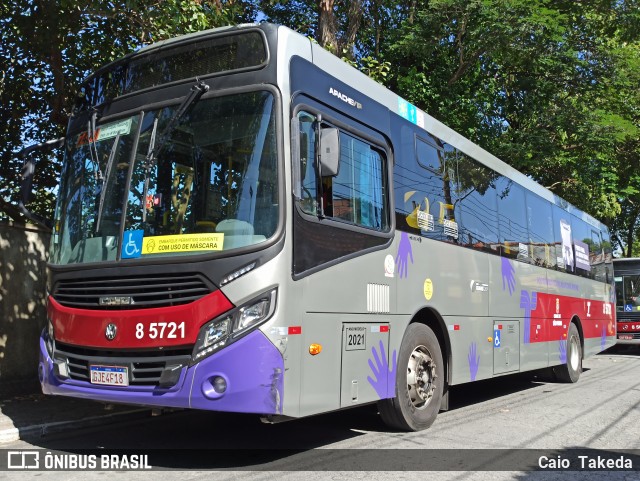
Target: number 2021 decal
{"type": "Point", "coordinates": [356, 339]}
{"type": "Point", "coordinates": [161, 330]}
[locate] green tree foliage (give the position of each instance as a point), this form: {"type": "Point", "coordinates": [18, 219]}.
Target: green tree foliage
{"type": "Point", "coordinates": [548, 86]}
{"type": "Point", "coordinates": [49, 46]}
{"type": "Point", "coordinates": [551, 87]}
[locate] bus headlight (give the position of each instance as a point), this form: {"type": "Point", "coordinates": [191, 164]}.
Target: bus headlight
{"type": "Point", "coordinates": [217, 333]}
{"type": "Point", "coordinates": [230, 327]}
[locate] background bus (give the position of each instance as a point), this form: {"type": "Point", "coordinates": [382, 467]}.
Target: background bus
{"type": "Point", "coordinates": [246, 223]}
{"type": "Point", "coordinates": [627, 276]}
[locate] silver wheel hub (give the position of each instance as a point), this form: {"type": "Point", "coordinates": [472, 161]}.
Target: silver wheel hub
{"type": "Point", "coordinates": [421, 377]}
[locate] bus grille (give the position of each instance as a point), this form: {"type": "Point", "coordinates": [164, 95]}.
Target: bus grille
{"type": "Point", "coordinates": [144, 367]}
{"type": "Point", "coordinates": [131, 292]}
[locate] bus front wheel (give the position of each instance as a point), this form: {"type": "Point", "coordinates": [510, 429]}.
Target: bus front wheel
{"type": "Point", "coordinates": [419, 382]}
{"type": "Point", "coordinates": [570, 372]}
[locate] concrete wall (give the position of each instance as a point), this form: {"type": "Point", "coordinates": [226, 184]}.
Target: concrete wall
{"type": "Point", "coordinates": [23, 255]}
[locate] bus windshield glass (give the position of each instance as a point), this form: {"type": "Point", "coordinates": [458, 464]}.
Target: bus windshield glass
{"type": "Point", "coordinates": [628, 293]}
{"type": "Point", "coordinates": [213, 186]}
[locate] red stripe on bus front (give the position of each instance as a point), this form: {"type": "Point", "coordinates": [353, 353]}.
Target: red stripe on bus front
{"type": "Point", "coordinates": [136, 328]}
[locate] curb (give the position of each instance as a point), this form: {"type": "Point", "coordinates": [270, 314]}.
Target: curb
{"type": "Point", "coordinates": [13, 434]}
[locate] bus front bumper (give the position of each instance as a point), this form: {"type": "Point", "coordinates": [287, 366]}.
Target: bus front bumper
{"type": "Point", "coordinates": [251, 370]}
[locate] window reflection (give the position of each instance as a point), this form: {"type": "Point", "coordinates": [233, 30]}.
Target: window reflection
{"type": "Point", "coordinates": [217, 173]}
{"type": "Point", "coordinates": [357, 194]}
{"type": "Point", "coordinates": [443, 194]}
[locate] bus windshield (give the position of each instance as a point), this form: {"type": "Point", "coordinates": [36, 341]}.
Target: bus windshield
{"type": "Point", "coordinates": [212, 187]}
{"type": "Point", "coordinates": [628, 293]}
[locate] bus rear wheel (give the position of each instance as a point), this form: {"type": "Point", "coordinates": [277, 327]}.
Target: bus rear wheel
{"type": "Point", "coordinates": [419, 382]}
{"type": "Point", "coordinates": [570, 372]}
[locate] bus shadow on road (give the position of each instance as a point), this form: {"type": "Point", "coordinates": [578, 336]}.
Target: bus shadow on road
{"type": "Point", "coordinates": [465, 395]}
{"type": "Point", "coordinates": [630, 350]}
{"type": "Point", "coordinates": [221, 441]}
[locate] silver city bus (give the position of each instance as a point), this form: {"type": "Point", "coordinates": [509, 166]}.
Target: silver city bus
{"type": "Point", "coordinates": [246, 223]}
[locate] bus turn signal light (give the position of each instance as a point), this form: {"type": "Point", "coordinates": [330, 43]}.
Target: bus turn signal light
{"type": "Point", "coordinates": [315, 349]}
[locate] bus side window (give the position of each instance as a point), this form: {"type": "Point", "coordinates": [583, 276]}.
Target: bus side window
{"type": "Point", "coordinates": [428, 156]}
{"type": "Point", "coordinates": [607, 253]}
{"type": "Point", "coordinates": [512, 220]}
{"type": "Point", "coordinates": [596, 257]}
{"type": "Point", "coordinates": [540, 223]}
{"type": "Point", "coordinates": [563, 240]}
{"type": "Point", "coordinates": [426, 181]}
{"type": "Point", "coordinates": [358, 193]}
{"type": "Point", "coordinates": [582, 247]}
{"type": "Point", "coordinates": [476, 201]}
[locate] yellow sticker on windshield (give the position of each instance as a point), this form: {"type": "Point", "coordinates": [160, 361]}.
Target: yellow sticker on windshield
{"type": "Point", "coordinates": [182, 243]}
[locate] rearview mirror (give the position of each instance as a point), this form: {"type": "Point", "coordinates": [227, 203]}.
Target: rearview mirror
{"type": "Point", "coordinates": [329, 152]}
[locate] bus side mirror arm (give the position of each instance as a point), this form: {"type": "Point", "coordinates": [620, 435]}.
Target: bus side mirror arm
{"type": "Point", "coordinates": [26, 183]}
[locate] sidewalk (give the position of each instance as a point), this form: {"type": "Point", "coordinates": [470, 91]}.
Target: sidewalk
{"type": "Point", "coordinates": [26, 412]}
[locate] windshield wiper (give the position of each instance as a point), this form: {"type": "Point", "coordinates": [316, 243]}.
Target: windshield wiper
{"type": "Point", "coordinates": [105, 179]}
{"type": "Point", "coordinates": [91, 134]}
{"type": "Point", "coordinates": [197, 91]}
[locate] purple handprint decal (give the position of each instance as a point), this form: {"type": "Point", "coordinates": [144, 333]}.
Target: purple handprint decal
{"type": "Point", "coordinates": [474, 360]}
{"type": "Point", "coordinates": [405, 252]}
{"type": "Point", "coordinates": [385, 379]}
{"type": "Point", "coordinates": [528, 304]}
{"type": "Point", "coordinates": [562, 351]}
{"type": "Point", "coordinates": [508, 276]}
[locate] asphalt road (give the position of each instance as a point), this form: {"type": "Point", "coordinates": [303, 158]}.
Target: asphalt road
{"type": "Point", "coordinates": [601, 412]}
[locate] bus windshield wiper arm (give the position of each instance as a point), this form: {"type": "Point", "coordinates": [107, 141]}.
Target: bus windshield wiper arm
{"type": "Point", "coordinates": [197, 91]}
{"type": "Point", "coordinates": [93, 152]}
{"type": "Point", "coordinates": [105, 179]}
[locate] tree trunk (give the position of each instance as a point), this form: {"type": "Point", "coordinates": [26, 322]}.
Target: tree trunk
{"type": "Point", "coordinates": [327, 26]}
{"type": "Point", "coordinates": [630, 232]}
{"type": "Point", "coordinates": [354, 19]}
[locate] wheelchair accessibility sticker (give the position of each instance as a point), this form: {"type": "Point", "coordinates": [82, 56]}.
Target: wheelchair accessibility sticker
{"type": "Point", "coordinates": [132, 244]}
{"type": "Point", "coordinates": [496, 338]}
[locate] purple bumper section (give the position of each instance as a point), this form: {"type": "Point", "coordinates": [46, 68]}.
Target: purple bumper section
{"type": "Point", "coordinates": [252, 367]}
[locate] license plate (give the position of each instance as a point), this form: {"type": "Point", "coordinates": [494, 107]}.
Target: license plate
{"type": "Point", "coordinates": [624, 337]}
{"type": "Point", "coordinates": [109, 375]}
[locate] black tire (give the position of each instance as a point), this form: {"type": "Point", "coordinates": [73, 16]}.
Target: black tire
{"type": "Point", "coordinates": [419, 382]}
{"type": "Point", "coordinates": [570, 372]}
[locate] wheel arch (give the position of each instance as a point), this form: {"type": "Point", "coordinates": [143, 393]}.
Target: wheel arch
{"type": "Point", "coordinates": [576, 320]}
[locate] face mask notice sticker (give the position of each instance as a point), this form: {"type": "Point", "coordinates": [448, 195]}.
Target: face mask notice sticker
{"type": "Point", "coordinates": [183, 243]}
